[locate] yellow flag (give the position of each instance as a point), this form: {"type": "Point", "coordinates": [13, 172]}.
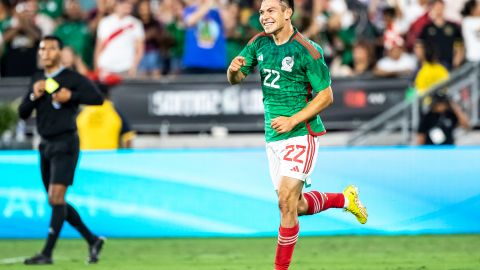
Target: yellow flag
{"type": "Point", "coordinates": [51, 85]}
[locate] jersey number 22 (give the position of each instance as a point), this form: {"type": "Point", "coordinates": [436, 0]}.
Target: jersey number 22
{"type": "Point", "coordinates": [273, 82]}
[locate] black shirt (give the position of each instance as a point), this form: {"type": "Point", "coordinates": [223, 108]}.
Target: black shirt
{"type": "Point", "coordinates": [438, 128]}
{"type": "Point", "coordinates": [443, 38]}
{"type": "Point", "coordinates": [53, 121]}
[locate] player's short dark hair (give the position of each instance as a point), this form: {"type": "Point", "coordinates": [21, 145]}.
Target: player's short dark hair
{"type": "Point", "coordinates": [54, 38]}
{"type": "Point", "coordinates": [289, 4]}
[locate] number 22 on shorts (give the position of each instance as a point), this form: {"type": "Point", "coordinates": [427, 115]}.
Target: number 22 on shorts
{"type": "Point", "coordinates": [289, 156]}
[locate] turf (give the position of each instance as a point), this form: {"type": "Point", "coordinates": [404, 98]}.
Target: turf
{"type": "Point", "coordinates": [312, 253]}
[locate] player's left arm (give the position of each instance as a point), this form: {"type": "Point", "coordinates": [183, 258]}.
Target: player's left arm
{"type": "Point", "coordinates": [320, 81]}
{"type": "Point", "coordinates": [283, 124]}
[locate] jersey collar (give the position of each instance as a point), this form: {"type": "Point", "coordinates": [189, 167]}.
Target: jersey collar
{"type": "Point", "coordinates": [55, 73]}
{"type": "Point", "coordinates": [295, 31]}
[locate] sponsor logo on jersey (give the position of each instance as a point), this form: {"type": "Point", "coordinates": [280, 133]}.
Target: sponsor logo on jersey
{"type": "Point", "coordinates": [260, 57]}
{"type": "Point", "coordinates": [287, 63]}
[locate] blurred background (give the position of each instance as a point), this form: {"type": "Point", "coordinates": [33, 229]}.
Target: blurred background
{"type": "Point", "coordinates": [178, 152]}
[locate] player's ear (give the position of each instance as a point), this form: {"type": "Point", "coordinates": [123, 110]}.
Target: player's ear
{"type": "Point", "coordinates": [288, 14]}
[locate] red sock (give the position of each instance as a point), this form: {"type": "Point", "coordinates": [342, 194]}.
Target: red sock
{"type": "Point", "coordinates": [287, 238]}
{"type": "Point", "coordinates": [319, 201]}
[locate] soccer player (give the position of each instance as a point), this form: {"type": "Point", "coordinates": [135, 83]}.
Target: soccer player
{"type": "Point", "coordinates": [292, 68]}
{"type": "Point", "coordinates": [55, 95]}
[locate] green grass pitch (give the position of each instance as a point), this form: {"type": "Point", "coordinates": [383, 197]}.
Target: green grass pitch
{"type": "Point", "coordinates": [436, 252]}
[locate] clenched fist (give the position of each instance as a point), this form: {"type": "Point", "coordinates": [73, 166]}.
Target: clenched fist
{"type": "Point", "coordinates": [39, 88]}
{"type": "Point", "coordinates": [237, 63]}
{"type": "Point", "coordinates": [62, 96]}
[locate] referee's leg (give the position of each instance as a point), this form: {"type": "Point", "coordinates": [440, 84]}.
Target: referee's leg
{"type": "Point", "coordinates": [95, 243]}
{"type": "Point", "coordinates": [56, 199]}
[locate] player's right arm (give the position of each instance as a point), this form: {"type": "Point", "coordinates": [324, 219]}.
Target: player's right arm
{"type": "Point", "coordinates": [244, 63]}
{"type": "Point", "coordinates": [234, 73]}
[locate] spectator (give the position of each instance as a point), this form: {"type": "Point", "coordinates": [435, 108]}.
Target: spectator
{"type": "Point", "coordinates": [431, 71]}
{"type": "Point", "coordinates": [471, 30]}
{"type": "Point", "coordinates": [72, 61]}
{"type": "Point", "coordinates": [102, 9]}
{"type": "Point", "coordinates": [363, 61]}
{"type": "Point", "coordinates": [234, 31]}
{"type": "Point", "coordinates": [103, 127]}
{"type": "Point", "coordinates": [392, 25]}
{"type": "Point", "coordinates": [254, 19]}
{"type": "Point", "coordinates": [5, 14]}
{"type": "Point", "coordinates": [416, 27]}
{"type": "Point", "coordinates": [175, 29]}
{"type": "Point", "coordinates": [345, 32]}
{"type": "Point", "coordinates": [205, 44]}
{"type": "Point", "coordinates": [51, 8]}
{"type": "Point", "coordinates": [43, 22]}
{"type": "Point", "coordinates": [152, 62]}
{"type": "Point", "coordinates": [397, 62]}
{"type": "Point", "coordinates": [316, 30]}
{"type": "Point", "coordinates": [410, 12]}
{"type": "Point", "coordinates": [437, 126]}
{"type": "Point", "coordinates": [21, 41]}
{"type": "Point", "coordinates": [5, 20]}
{"type": "Point", "coordinates": [445, 35]}
{"type": "Point", "coordinates": [120, 42]}
{"type": "Point", "coordinates": [74, 31]}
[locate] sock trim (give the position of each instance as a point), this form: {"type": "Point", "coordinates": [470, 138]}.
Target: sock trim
{"type": "Point", "coordinates": [288, 236]}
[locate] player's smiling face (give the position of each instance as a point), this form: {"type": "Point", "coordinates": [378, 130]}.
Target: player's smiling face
{"type": "Point", "coordinates": [274, 15]}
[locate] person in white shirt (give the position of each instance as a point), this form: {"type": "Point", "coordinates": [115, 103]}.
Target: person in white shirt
{"type": "Point", "coordinates": [396, 62]}
{"type": "Point", "coordinates": [120, 42]}
{"type": "Point", "coordinates": [471, 30]}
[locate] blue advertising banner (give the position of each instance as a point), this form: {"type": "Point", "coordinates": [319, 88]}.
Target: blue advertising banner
{"type": "Point", "coordinates": [228, 192]}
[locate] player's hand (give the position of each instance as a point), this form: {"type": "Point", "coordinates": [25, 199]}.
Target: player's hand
{"type": "Point", "coordinates": [39, 88]}
{"type": "Point", "coordinates": [62, 96]}
{"type": "Point", "coordinates": [237, 63]}
{"type": "Point", "coordinates": [283, 124]}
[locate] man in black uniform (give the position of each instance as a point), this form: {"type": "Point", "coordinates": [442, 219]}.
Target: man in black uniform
{"type": "Point", "coordinates": [55, 94]}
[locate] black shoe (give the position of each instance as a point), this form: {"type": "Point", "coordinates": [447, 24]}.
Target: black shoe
{"type": "Point", "coordinates": [38, 260]}
{"type": "Point", "coordinates": [94, 249]}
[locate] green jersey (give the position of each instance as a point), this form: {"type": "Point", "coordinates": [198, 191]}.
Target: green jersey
{"type": "Point", "coordinates": [289, 73]}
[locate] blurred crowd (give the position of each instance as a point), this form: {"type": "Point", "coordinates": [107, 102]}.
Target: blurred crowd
{"type": "Point", "coordinates": [152, 38]}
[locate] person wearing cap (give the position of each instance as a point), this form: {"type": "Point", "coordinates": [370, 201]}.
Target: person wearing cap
{"type": "Point", "coordinates": [437, 126]}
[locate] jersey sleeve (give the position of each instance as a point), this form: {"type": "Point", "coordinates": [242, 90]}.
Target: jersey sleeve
{"type": "Point", "coordinates": [318, 73]}
{"type": "Point", "coordinates": [249, 53]}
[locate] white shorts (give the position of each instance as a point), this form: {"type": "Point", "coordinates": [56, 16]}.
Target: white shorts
{"type": "Point", "coordinates": [294, 157]}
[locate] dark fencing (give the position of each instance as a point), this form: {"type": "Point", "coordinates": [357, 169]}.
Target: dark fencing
{"type": "Point", "coordinates": [196, 103]}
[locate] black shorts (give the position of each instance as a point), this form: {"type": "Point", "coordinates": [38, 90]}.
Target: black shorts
{"type": "Point", "coordinates": [58, 159]}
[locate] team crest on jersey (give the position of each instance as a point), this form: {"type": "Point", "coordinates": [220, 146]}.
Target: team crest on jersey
{"type": "Point", "coordinates": [287, 63]}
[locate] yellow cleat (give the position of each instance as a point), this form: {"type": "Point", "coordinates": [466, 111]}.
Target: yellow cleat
{"type": "Point", "coordinates": [355, 206]}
